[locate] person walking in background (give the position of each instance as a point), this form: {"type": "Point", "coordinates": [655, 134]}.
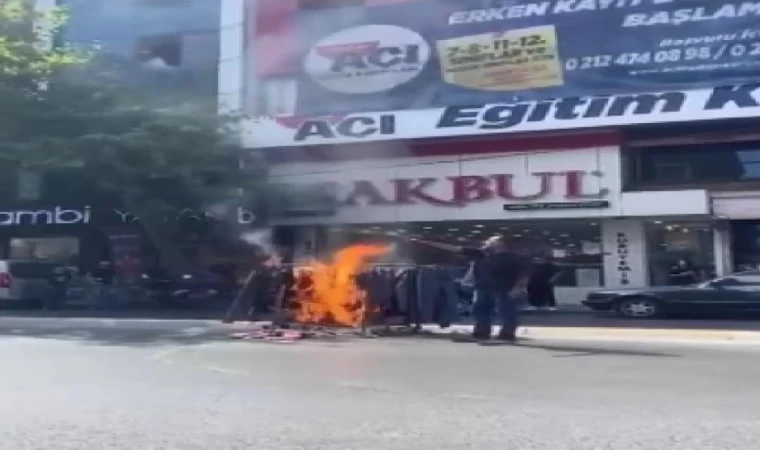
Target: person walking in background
{"type": "Point", "coordinates": [104, 276]}
{"type": "Point", "coordinates": [541, 284]}
{"type": "Point", "coordinates": [682, 273]}
{"type": "Point", "coordinates": [59, 280]}
{"type": "Point", "coordinates": [499, 275]}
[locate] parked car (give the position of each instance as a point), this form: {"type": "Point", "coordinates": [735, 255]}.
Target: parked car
{"type": "Point", "coordinates": [23, 281]}
{"type": "Point", "coordinates": [735, 293]}
{"type": "Point", "coordinates": [184, 288]}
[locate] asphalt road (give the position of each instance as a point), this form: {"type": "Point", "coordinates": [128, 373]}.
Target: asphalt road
{"type": "Point", "coordinates": [91, 384]}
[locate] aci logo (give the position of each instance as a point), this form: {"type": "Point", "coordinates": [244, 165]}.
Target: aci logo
{"type": "Point", "coordinates": [367, 59]}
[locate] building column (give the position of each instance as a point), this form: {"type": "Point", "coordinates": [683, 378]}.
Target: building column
{"type": "Point", "coordinates": [233, 37]}
{"type": "Point", "coordinates": [724, 258]}
{"type": "Point", "coordinates": [625, 253]}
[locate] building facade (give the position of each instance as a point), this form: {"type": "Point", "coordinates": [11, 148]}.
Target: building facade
{"type": "Point", "coordinates": [452, 120]}
{"type": "Point", "coordinates": [167, 47]}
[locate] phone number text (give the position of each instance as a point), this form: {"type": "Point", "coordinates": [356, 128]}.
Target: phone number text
{"type": "Point", "coordinates": [671, 55]}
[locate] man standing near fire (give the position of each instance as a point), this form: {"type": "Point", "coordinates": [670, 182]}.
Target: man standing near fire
{"type": "Point", "coordinates": [499, 276]}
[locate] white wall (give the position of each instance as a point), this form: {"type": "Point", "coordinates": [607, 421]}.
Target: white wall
{"type": "Point", "coordinates": [232, 56]}
{"type": "Point", "coordinates": [742, 205]}
{"type": "Point", "coordinates": [691, 202]}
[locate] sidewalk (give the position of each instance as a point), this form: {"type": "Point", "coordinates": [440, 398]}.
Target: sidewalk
{"type": "Point", "coordinates": [577, 323]}
{"type": "Point", "coordinates": [573, 322]}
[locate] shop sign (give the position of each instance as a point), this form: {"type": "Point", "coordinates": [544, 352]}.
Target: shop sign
{"type": "Point", "coordinates": [594, 204]}
{"type": "Point", "coordinates": [367, 59]}
{"type": "Point", "coordinates": [52, 216]}
{"type": "Point", "coordinates": [462, 190]}
{"type": "Point", "coordinates": [725, 102]}
{"type": "Point", "coordinates": [623, 253]}
{"type": "Point", "coordinates": [357, 127]}
{"type": "Point", "coordinates": [242, 216]}
{"type": "Point", "coordinates": [72, 216]}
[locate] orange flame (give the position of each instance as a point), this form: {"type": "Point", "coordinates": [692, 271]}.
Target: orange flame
{"type": "Point", "coordinates": [327, 292]}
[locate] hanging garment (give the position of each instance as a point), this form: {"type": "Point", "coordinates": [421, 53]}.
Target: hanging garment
{"type": "Point", "coordinates": [436, 296]}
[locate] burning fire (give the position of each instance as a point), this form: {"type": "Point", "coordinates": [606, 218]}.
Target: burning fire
{"type": "Point", "coordinates": [328, 293]}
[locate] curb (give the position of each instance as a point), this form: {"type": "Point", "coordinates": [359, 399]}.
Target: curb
{"type": "Point", "coordinates": [641, 334]}
{"type": "Point", "coordinates": [529, 331]}
{"type": "Point", "coordinates": [624, 334]}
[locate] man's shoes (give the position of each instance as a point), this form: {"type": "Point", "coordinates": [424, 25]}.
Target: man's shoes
{"type": "Point", "coordinates": [470, 338]}
{"type": "Point", "coordinates": [506, 339]}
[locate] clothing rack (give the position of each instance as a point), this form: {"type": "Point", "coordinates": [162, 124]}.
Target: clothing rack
{"type": "Point", "coordinates": [281, 320]}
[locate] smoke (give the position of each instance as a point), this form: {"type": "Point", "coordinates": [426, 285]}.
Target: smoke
{"type": "Point", "coordinates": [259, 238]}
{"type": "Point", "coordinates": [226, 211]}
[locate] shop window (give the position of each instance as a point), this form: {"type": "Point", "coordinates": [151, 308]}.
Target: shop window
{"type": "Point", "coordinates": [63, 250]}
{"type": "Point", "coordinates": [745, 244]}
{"type": "Point", "coordinates": [673, 171]}
{"type": "Point", "coordinates": [573, 246]}
{"type": "Point", "coordinates": [275, 97]}
{"type": "Point", "coordinates": [159, 52]}
{"type": "Point", "coordinates": [688, 244]}
{"type": "Point", "coordinates": [708, 163]}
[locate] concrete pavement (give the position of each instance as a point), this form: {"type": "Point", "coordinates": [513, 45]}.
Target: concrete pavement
{"type": "Point", "coordinates": [547, 325]}
{"type": "Point", "coordinates": [176, 385]}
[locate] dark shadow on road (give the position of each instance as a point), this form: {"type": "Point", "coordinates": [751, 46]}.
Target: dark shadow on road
{"type": "Point", "coordinates": [117, 336]}
{"type": "Point", "coordinates": [576, 319]}
{"type": "Point", "coordinates": [573, 318]}
{"type": "Point", "coordinates": [572, 351]}
{"type": "Point", "coordinates": [197, 313]}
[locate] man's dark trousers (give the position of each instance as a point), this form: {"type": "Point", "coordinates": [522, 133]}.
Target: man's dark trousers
{"type": "Point", "coordinates": [486, 302]}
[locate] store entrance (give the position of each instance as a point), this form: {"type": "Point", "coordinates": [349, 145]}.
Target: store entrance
{"type": "Point", "coordinates": [572, 245]}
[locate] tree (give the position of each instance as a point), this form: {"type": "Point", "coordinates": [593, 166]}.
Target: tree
{"type": "Point", "coordinates": [153, 157]}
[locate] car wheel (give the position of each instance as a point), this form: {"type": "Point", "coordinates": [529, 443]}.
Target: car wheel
{"type": "Point", "coordinates": [638, 307]}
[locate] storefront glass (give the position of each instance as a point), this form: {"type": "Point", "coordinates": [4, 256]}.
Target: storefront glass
{"type": "Point", "coordinates": [574, 246]}
{"type": "Point", "coordinates": [59, 249]}
{"type": "Point", "coordinates": [692, 164]}
{"type": "Point", "coordinates": [745, 244]}
{"type": "Point", "coordinates": [690, 243]}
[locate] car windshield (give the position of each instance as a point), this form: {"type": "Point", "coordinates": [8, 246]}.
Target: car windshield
{"type": "Point", "coordinates": [734, 278]}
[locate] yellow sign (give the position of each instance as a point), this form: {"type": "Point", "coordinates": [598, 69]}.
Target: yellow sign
{"type": "Point", "coordinates": [513, 60]}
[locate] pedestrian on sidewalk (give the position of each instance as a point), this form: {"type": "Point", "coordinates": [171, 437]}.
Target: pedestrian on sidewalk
{"type": "Point", "coordinates": [59, 280]}
{"type": "Point", "coordinates": [499, 276]}
{"type": "Point", "coordinates": [104, 275]}
{"type": "Point", "coordinates": [682, 273]}
{"type": "Point", "coordinates": [541, 284]}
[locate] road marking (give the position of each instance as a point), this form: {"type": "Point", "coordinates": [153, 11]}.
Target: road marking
{"type": "Point", "coordinates": [164, 356]}
{"type": "Point", "coordinates": [193, 361]}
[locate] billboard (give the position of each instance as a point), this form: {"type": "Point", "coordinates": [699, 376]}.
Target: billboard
{"type": "Point", "coordinates": [437, 53]}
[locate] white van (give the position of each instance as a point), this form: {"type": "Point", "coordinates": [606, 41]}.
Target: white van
{"type": "Point", "coordinates": [25, 281]}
